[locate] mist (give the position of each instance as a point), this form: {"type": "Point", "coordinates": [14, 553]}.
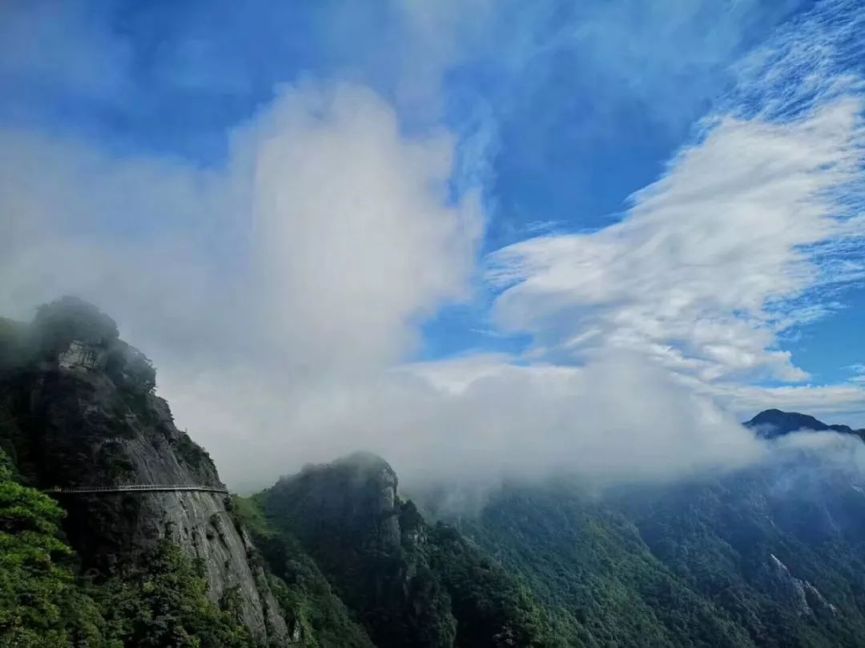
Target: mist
{"type": "Point", "coordinates": [336, 237]}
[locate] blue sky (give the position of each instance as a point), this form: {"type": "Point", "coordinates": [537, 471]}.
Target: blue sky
{"type": "Point", "coordinates": [450, 191]}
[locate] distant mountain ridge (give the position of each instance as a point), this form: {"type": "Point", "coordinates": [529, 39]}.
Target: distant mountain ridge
{"type": "Point", "coordinates": [767, 555]}
{"type": "Point", "coordinates": [773, 423]}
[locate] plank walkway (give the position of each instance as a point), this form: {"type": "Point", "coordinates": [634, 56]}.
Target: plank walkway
{"type": "Point", "coordinates": [135, 488]}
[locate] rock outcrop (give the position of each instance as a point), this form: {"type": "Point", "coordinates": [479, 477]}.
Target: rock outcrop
{"type": "Point", "coordinates": [409, 582]}
{"type": "Point", "coordinates": [79, 410]}
{"type": "Point", "coordinates": [800, 594]}
{"type": "Point", "coordinates": [354, 497]}
{"type": "Point", "coordinates": [348, 517]}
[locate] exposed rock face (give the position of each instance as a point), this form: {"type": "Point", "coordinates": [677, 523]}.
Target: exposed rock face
{"type": "Point", "coordinates": [79, 410]}
{"type": "Point", "coordinates": [803, 595]}
{"type": "Point", "coordinates": [79, 355]}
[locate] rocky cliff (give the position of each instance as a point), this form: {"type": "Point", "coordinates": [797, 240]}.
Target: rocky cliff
{"type": "Point", "coordinates": [77, 409]}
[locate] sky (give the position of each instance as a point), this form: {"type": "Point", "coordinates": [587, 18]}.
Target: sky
{"type": "Point", "coordinates": [481, 238]}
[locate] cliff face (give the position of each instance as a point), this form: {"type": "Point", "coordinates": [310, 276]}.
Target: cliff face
{"type": "Point", "coordinates": [78, 410]}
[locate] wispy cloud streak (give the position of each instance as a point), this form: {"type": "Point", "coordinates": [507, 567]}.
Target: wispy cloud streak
{"type": "Point", "coordinates": [754, 229]}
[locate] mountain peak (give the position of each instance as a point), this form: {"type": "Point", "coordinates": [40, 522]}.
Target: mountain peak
{"type": "Point", "coordinates": [772, 423]}
{"type": "Point", "coordinates": [364, 461]}
{"type": "Point", "coordinates": [358, 491]}
{"type": "Point", "coordinates": [71, 318]}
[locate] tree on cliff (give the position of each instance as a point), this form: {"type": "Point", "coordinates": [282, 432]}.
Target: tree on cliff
{"type": "Point", "coordinates": [40, 604]}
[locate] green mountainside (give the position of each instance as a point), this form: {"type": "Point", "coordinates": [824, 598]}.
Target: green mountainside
{"type": "Point", "coordinates": [410, 583]}
{"type": "Point", "coordinates": [764, 557]}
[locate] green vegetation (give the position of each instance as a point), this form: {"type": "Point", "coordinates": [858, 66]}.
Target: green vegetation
{"type": "Point", "coordinates": [305, 596]}
{"type": "Point", "coordinates": [58, 323]}
{"type": "Point", "coordinates": [16, 344]}
{"type": "Point", "coordinates": [734, 562]}
{"type": "Point", "coordinates": [591, 567]}
{"type": "Point", "coordinates": [491, 608]}
{"type": "Point", "coordinates": [166, 604]}
{"type": "Point", "coordinates": [44, 605]}
{"type": "Point", "coordinates": [409, 583]}
{"type": "Point", "coordinates": [41, 604]}
{"type": "Point", "coordinates": [742, 561]}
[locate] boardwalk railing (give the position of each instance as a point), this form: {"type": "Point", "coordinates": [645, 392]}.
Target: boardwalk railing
{"type": "Point", "coordinates": [134, 488]}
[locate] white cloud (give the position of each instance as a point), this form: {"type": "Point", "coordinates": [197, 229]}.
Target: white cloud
{"type": "Point", "coordinates": [271, 292]}
{"type": "Point", "coordinates": [858, 371]}
{"type": "Point", "coordinates": [132, 234]}
{"type": "Point", "coordinates": [355, 234]}
{"type": "Point", "coordinates": [322, 242]}
{"type": "Point", "coordinates": [473, 420]}
{"type": "Point", "coordinates": [836, 403]}
{"type": "Point", "coordinates": [698, 272]}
